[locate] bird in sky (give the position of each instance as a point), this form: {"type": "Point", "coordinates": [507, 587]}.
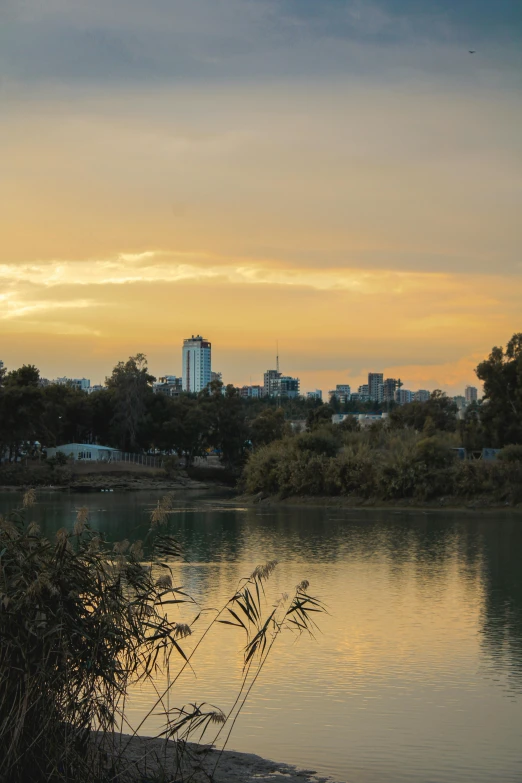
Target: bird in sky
{"type": "Point", "coordinates": [471, 51]}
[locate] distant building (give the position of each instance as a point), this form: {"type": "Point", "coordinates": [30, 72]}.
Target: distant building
{"type": "Point", "coordinates": [460, 402]}
{"type": "Point", "coordinates": [171, 385]}
{"type": "Point", "coordinates": [342, 393]}
{"type": "Point", "coordinates": [363, 392]}
{"type": "Point", "coordinates": [364, 419]}
{"type": "Point", "coordinates": [471, 394]}
{"type": "Point", "coordinates": [196, 364]}
{"type": "Point", "coordinates": [285, 386]}
{"type": "Point", "coordinates": [96, 388]}
{"type": "Point", "coordinates": [251, 392]}
{"type": "Point", "coordinates": [403, 396]}
{"type": "Point", "coordinates": [314, 395]}
{"type": "Point", "coordinates": [82, 384]}
{"type": "Point", "coordinates": [86, 451]}
{"type": "Point", "coordinates": [375, 386]}
{"type": "Point", "coordinates": [389, 387]}
{"type": "Point", "coordinates": [421, 395]}
{"type": "Point", "coordinates": [268, 379]}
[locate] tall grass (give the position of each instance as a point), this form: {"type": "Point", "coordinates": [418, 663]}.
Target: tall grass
{"type": "Point", "coordinates": [81, 622]}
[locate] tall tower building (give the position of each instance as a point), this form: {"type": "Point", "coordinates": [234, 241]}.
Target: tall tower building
{"type": "Point", "coordinates": [196, 364]}
{"type": "Point", "coordinates": [471, 394]}
{"type": "Point", "coordinates": [375, 386]}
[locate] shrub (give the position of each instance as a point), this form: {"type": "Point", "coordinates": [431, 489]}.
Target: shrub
{"type": "Point", "coordinates": [511, 453]}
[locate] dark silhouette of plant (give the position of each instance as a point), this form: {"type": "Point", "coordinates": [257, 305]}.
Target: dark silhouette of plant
{"type": "Point", "coordinates": [81, 622]}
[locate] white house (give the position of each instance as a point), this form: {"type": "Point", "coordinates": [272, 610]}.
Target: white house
{"type": "Point", "coordinates": [86, 451]}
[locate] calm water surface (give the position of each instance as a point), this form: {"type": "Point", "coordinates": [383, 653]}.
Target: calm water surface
{"type": "Point", "coordinates": [417, 672]}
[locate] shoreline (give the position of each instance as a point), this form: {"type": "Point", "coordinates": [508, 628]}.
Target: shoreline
{"type": "Point", "coordinates": [354, 503]}
{"type": "Point", "coordinates": [149, 756]}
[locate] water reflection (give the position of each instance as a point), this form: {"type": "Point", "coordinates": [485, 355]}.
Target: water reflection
{"type": "Point", "coordinates": [423, 644]}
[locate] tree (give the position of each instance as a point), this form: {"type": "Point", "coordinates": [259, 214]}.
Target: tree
{"type": "Point", "coordinates": [501, 411]}
{"type": "Point", "coordinates": [132, 385]}
{"type": "Point", "coordinates": [317, 417]}
{"type": "Point", "coordinates": [439, 411]}
{"type": "Point", "coordinates": [267, 427]}
{"type": "Point", "coordinates": [228, 430]}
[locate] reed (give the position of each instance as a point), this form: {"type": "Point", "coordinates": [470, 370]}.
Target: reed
{"type": "Point", "coordinates": [81, 622]}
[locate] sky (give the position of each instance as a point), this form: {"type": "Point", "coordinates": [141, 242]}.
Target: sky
{"type": "Point", "coordinates": [338, 176]}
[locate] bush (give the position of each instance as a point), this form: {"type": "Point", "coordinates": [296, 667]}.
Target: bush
{"type": "Point", "coordinates": [511, 453]}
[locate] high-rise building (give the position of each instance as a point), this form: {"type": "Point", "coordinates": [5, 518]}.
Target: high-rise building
{"type": "Point", "coordinates": [363, 392]}
{"type": "Point", "coordinates": [285, 386]}
{"type": "Point", "coordinates": [196, 364]}
{"type": "Point", "coordinates": [389, 388]}
{"type": "Point", "coordinates": [268, 381]}
{"type": "Point", "coordinates": [375, 386]}
{"type": "Point", "coordinates": [314, 395]}
{"type": "Point", "coordinates": [471, 394]}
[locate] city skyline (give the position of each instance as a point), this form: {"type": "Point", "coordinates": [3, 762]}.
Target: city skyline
{"type": "Point", "coordinates": [340, 175]}
{"type": "Point", "coordinates": [259, 380]}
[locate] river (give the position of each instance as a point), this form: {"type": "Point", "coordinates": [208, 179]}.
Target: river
{"type": "Point", "coordinates": [416, 674]}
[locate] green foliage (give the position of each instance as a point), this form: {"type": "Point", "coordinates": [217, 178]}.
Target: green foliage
{"type": "Point", "coordinates": [268, 426]}
{"type": "Point", "coordinates": [438, 414]}
{"type": "Point", "coordinates": [512, 453]}
{"type": "Point", "coordinates": [381, 464]}
{"type": "Point", "coordinates": [501, 411]}
{"type": "Point", "coordinates": [319, 416]}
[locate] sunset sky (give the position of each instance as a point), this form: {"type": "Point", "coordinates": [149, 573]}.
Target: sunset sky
{"type": "Point", "coordinates": [339, 175]}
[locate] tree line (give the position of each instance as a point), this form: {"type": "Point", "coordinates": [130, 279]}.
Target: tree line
{"type": "Point", "coordinates": [128, 415]}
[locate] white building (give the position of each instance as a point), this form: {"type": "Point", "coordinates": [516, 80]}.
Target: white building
{"type": "Point", "coordinates": [314, 395]}
{"type": "Point", "coordinates": [196, 364]}
{"type": "Point", "coordinates": [86, 451]}
{"type": "Point", "coordinates": [82, 384]}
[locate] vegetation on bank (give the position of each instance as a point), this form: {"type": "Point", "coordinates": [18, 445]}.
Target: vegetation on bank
{"type": "Point", "coordinates": [82, 621]}
{"type": "Point", "coordinates": [414, 454]}
{"type": "Point", "coordinates": [380, 464]}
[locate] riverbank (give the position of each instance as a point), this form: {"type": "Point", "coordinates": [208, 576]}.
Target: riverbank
{"type": "Point", "coordinates": [151, 759]}
{"type": "Point", "coordinates": [109, 478]}
{"type": "Point", "coordinates": [355, 503]}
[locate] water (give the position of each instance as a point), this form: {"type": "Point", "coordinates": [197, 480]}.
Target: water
{"type": "Point", "coordinates": [417, 672]}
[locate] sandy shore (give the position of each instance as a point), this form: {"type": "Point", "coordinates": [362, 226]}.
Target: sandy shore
{"type": "Point", "coordinates": [150, 759]}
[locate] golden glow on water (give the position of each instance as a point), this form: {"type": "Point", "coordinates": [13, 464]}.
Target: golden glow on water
{"type": "Point", "coordinates": [416, 675]}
